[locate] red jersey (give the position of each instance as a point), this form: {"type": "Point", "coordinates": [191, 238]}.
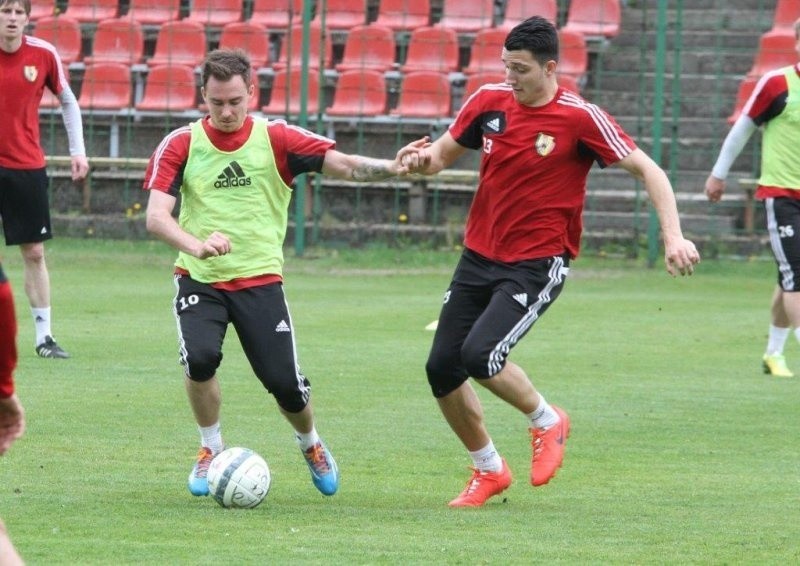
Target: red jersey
{"type": "Point", "coordinates": [533, 170]}
{"type": "Point", "coordinates": [8, 338]}
{"type": "Point", "coordinates": [23, 75]}
{"type": "Point", "coordinates": [768, 101]}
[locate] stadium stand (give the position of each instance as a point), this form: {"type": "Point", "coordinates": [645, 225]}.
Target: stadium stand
{"type": "Point", "coordinates": [276, 15]}
{"type": "Point", "coordinates": [746, 88]}
{"type": "Point", "coordinates": [342, 14]}
{"type": "Point", "coordinates": [42, 9]}
{"type": "Point", "coordinates": [179, 42]}
{"type": "Point", "coordinates": [64, 33]}
{"type": "Point", "coordinates": [467, 16]}
{"type": "Point", "coordinates": [432, 48]}
{"type": "Point", "coordinates": [215, 13]}
{"type": "Point", "coordinates": [786, 14]}
{"type": "Point", "coordinates": [169, 88]}
{"type": "Point", "coordinates": [594, 18]}
{"type": "Point", "coordinates": [404, 15]}
{"type": "Point", "coordinates": [91, 11]}
{"type": "Point", "coordinates": [486, 51]}
{"type": "Point", "coordinates": [285, 93]}
{"type": "Point", "coordinates": [106, 86]}
{"type": "Point", "coordinates": [573, 57]}
{"type": "Point", "coordinates": [776, 48]}
{"type": "Point", "coordinates": [475, 81]}
{"type": "Point", "coordinates": [291, 53]}
{"type": "Point", "coordinates": [369, 47]}
{"type": "Point", "coordinates": [117, 40]}
{"type": "Point", "coordinates": [568, 82]}
{"type": "Point", "coordinates": [359, 93]}
{"type": "Point", "coordinates": [518, 10]}
{"type": "Point", "coordinates": [154, 12]}
{"type": "Point", "coordinates": [424, 94]}
{"type": "Point", "coordinates": [251, 37]}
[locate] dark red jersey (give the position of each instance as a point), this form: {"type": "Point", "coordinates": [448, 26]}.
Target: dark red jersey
{"type": "Point", "coordinates": [24, 75]}
{"type": "Point", "coordinates": [533, 170]}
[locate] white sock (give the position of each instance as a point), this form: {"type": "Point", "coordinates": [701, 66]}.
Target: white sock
{"type": "Point", "coordinates": [306, 439]}
{"type": "Point", "coordinates": [544, 416]}
{"type": "Point", "coordinates": [777, 339]}
{"type": "Point", "coordinates": [41, 322]}
{"type": "Point", "coordinates": [487, 459]}
{"type": "Point", "coordinates": [211, 437]}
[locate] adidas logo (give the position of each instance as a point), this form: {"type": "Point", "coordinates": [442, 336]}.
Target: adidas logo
{"type": "Point", "coordinates": [521, 298]}
{"type": "Point", "coordinates": [44, 230]}
{"type": "Point", "coordinates": [494, 124]}
{"type": "Point", "coordinates": [232, 176]}
{"type": "Point", "coordinates": [282, 327]}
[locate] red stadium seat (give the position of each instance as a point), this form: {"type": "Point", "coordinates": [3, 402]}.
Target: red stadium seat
{"type": "Point", "coordinates": [117, 40]}
{"type": "Point", "coordinates": [486, 51]}
{"type": "Point", "coordinates": [64, 33]}
{"type": "Point", "coordinates": [568, 82]}
{"type": "Point", "coordinates": [181, 42]}
{"type": "Point", "coordinates": [90, 11]}
{"type": "Point", "coordinates": [215, 13]}
{"type": "Point", "coordinates": [154, 12]}
{"type": "Point", "coordinates": [277, 15]}
{"type": "Point", "coordinates": [432, 48]}
{"type": "Point", "coordinates": [42, 9]}
{"type": "Point", "coordinates": [342, 14]}
{"type": "Point", "coordinates": [776, 49]}
{"type": "Point", "coordinates": [404, 15]}
{"type": "Point", "coordinates": [786, 14]}
{"type": "Point", "coordinates": [474, 82]}
{"type": "Point", "coordinates": [291, 54]}
{"type": "Point", "coordinates": [285, 93]}
{"type": "Point", "coordinates": [169, 88]}
{"type": "Point", "coordinates": [467, 16]}
{"type": "Point", "coordinates": [573, 59]}
{"type": "Point", "coordinates": [424, 94]}
{"type": "Point", "coordinates": [359, 93]}
{"type": "Point", "coordinates": [106, 86]}
{"type": "Point", "coordinates": [252, 38]}
{"type": "Point", "coordinates": [746, 88]}
{"type": "Point", "coordinates": [519, 10]}
{"type": "Point", "coordinates": [368, 47]}
{"type": "Point", "coordinates": [594, 18]}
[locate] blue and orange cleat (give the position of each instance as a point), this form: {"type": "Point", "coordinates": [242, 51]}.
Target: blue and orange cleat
{"type": "Point", "coordinates": [323, 468]}
{"type": "Point", "coordinates": [198, 478]}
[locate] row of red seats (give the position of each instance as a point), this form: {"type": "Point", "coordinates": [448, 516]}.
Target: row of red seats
{"type": "Point", "coordinates": [372, 46]}
{"type": "Point", "coordinates": [591, 17]}
{"type": "Point", "coordinates": [359, 93]}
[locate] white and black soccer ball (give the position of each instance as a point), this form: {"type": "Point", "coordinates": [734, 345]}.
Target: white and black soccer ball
{"type": "Point", "coordinates": [239, 478]}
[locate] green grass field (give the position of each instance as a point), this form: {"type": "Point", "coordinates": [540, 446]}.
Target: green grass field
{"type": "Point", "coordinates": [681, 451]}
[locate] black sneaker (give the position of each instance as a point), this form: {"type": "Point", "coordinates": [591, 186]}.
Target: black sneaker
{"type": "Point", "coordinates": [49, 349]}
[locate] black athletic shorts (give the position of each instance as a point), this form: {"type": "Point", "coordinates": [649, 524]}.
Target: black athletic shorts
{"type": "Point", "coordinates": [488, 308]}
{"type": "Point", "coordinates": [25, 205]}
{"type": "Point", "coordinates": [261, 318]}
{"type": "Point", "coordinates": [783, 226]}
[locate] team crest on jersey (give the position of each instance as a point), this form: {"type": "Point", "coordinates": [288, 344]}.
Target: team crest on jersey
{"type": "Point", "coordinates": [30, 73]}
{"type": "Point", "coordinates": [545, 144]}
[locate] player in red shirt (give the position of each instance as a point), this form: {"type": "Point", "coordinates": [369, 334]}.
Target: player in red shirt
{"type": "Point", "coordinates": [28, 65]}
{"type": "Point", "coordinates": [538, 142]}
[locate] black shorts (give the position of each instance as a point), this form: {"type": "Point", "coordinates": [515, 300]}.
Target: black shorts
{"type": "Point", "coordinates": [488, 308]}
{"type": "Point", "coordinates": [783, 226]}
{"type": "Point", "coordinates": [261, 318]}
{"type": "Point", "coordinates": [25, 205]}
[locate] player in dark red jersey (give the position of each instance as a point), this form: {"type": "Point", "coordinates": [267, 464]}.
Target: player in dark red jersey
{"type": "Point", "coordinates": [538, 142]}
{"type": "Point", "coordinates": [775, 106]}
{"type": "Point", "coordinates": [27, 66]}
{"type": "Point", "coordinates": [12, 415]}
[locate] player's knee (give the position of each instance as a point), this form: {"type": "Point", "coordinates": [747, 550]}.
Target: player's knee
{"type": "Point", "coordinates": [202, 365]}
{"type": "Point", "coordinates": [475, 362]}
{"type": "Point", "coordinates": [444, 375]}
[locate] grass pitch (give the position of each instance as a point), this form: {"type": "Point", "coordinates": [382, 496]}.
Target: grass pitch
{"type": "Point", "coordinates": [681, 451]}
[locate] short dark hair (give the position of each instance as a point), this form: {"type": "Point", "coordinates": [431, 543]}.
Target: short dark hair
{"type": "Point", "coordinates": [536, 35]}
{"type": "Point", "coordinates": [26, 5]}
{"type": "Point", "coordinates": [224, 64]}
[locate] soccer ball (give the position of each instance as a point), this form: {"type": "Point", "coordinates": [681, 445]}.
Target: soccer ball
{"type": "Point", "coordinates": [238, 478]}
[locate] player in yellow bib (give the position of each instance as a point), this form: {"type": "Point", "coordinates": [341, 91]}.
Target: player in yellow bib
{"type": "Point", "coordinates": [234, 175]}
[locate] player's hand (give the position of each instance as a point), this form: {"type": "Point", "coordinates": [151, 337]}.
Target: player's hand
{"type": "Point", "coordinates": [714, 188]}
{"type": "Point", "coordinates": [681, 257]}
{"type": "Point", "coordinates": [12, 422]}
{"type": "Point", "coordinates": [80, 167]}
{"type": "Point", "coordinates": [216, 244]}
{"type": "Point", "coordinates": [413, 158]}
